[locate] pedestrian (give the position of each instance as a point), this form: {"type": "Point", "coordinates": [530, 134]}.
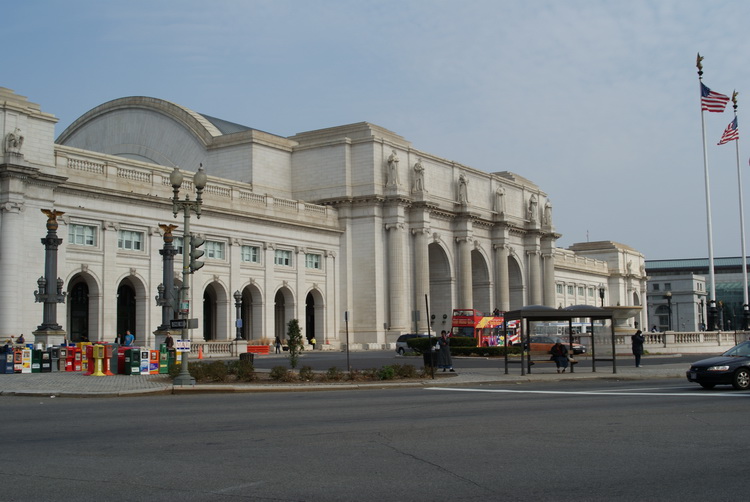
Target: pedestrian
{"type": "Point", "coordinates": [118, 339]}
{"type": "Point", "coordinates": [21, 340]}
{"type": "Point", "coordinates": [312, 342]}
{"type": "Point", "coordinates": [560, 356]}
{"type": "Point", "coordinates": [277, 343]}
{"type": "Point", "coordinates": [637, 340]}
{"type": "Point", "coordinates": [169, 341]}
{"type": "Point", "coordinates": [444, 353]}
{"type": "Point", "coordinates": [129, 339]}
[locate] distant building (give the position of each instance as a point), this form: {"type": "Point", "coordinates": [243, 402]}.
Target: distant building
{"type": "Point", "coordinates": [687, 281]}
{"type": "Point", "coordinates": [350, 222]}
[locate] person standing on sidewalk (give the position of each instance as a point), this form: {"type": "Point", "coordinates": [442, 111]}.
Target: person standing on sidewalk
{"type": "Point", "coordinates": [444, 353]}
{"type": "Point", "coordinates": [638, 341]}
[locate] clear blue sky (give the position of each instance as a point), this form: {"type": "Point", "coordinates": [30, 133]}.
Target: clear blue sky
{"type": "Point", "coordinates": [595, 101]}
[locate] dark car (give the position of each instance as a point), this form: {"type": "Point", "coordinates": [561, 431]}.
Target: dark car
{"type": "Point", "coordinates": [543, 344]}
{"type": "Point", "coordinates": [730, 368]}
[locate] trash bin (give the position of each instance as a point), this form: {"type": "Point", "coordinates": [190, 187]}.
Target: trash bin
{"type": "Point", "coordinates": [430, 358]}
{"type": "Point", "coordinates": [247, 356]}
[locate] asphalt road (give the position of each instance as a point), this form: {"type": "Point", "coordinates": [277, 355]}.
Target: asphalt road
{"type": "Point", "coordinates": [543, 441]}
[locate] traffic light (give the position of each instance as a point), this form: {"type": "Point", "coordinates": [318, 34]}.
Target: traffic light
{"type": "Point", "coordinates": [195, 253]}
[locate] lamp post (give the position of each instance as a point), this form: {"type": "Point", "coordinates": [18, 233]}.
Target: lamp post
{"type": "Point", "coordinates": [238, 305]}
{"type": "Point", "coordinates": [186, 206]}
{"type": "Point", "coordinates": [700, 315]}
{"type": "Point", "coordinates": [601, 294]}
{"type": "Point", "coordinates": [668, 297]}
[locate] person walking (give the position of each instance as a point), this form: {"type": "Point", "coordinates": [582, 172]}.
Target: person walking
{"type": "Point", "coordinates": [560, 356]}
{"type": "Point", "coordinates": [128, 339]}
{"type": "Point", "coordinates": [169, 341]}
{"type": "Point", "coordinates": [277, 343]}
{"type": "Point", "coordinates": [638, 339]}
{"type": "Point", "coordinates": [313, 342]}
{"type": "Point", "coordinates": [444, 353]}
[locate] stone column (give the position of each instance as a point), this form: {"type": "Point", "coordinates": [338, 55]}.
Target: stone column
{"type": "Point", "coordinates": [11, 229]}
{"type": "Point", "coordinates": [535, 286]}
{"type": "Point", "coordinates": [396, 288]}
{"type": "Point", "coordinates": [465, 289]}
{"type": "Point", "coordinates": [421, 276]}
{"type": "Point", "coordinates": [502, 286]}
{"type": "Point", "coordinates": [549, 279]}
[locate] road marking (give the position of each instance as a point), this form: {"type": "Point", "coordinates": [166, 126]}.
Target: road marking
{"type": "Point", "coordinates": [597, 393]}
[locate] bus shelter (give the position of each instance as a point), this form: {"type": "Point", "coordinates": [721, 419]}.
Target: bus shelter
{"type": "Point", "coordinates": [539, 313]}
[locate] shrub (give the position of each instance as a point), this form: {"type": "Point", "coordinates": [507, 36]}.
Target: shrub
{"type": "Point", "coordinates": [386, 373]}
{"type": "Point", "coordinates": [243, 370]}
{"type": "Point", "coordinates": [334, 373]}
{"type": "Point", "coordinates": [306, 374]}
{"type": "Point", "coordinates": [215, 371]}
{"type": "Point", "coordinates": [278, 373]}
{"type": "Point", "coordinates": [421, 344]}
{"type": "Point", "coordinates": [405, 371]}
{"type": "Point", "coordinates": [371, 374]}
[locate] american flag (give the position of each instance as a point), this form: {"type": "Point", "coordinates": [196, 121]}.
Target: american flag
{"type": "Point", "coordinates": [731, 133]}
{"type": "Point", "coordinates": [712, 101]}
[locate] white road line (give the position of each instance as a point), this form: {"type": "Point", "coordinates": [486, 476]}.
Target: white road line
{"type": "Point", "coordinates": [598, 393]}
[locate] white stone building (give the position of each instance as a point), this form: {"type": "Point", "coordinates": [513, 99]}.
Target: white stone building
{"type": "Point", "coordinates": [350, 219]}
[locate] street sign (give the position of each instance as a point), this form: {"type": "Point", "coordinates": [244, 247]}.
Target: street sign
{"type": "Point", "coordinates": [178, 323]}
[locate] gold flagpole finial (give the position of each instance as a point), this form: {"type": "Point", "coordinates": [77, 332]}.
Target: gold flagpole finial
{"type": "Point", "coordinates": [699, 65]}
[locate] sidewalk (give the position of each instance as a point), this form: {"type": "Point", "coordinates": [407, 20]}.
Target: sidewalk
{"type": "Point", "coordinates": [73, 384]}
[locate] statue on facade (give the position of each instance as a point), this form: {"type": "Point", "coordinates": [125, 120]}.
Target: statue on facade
{"type": "Point", "coordinates": [548, 213]}
{"type": "Point", "coordinates": [500, 200]}
{"type": "Point", "coordinates": [13, 141]}
{"type": "Point", "coordinates": [533, 203]}
{"type": "Point", "coordinates": [419, 177]}
{"type": "Point", "coordinates": [463, 193]}
{"type": "Point", "coordinates": [393, 161]}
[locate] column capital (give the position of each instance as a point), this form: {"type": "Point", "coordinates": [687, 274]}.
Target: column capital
{"type": "Point", "coordinates": [394, 226]}
{"type": "Point", "coordinates": [12, 207]}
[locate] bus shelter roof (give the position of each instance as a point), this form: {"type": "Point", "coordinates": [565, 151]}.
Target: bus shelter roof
{"type": "Point", "coordinates": [544, 313]}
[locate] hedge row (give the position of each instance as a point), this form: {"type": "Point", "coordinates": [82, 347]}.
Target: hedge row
{"type": "Point", "coordinates": [461, 346]}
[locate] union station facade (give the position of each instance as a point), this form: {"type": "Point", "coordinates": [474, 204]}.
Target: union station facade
{"type": "Point", "coordinates": [350, 229]}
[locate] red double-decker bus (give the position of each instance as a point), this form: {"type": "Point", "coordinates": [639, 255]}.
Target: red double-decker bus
{"type": "Point", "coordinates": [486, 330]}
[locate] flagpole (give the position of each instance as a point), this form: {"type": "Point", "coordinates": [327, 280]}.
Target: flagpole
{"type": "Point", "coordinates": [745, 306]}
{"type": "Point", "coordinates": [712, 277]}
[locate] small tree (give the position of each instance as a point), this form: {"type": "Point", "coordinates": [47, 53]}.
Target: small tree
{"type": "Point", "coordinates": [294, 336]}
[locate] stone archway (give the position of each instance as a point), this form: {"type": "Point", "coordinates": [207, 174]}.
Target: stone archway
{"type": "Point", "coordinates": [314, 326]}
{"type": "Point", "coordinates": [480, 282]}
{"type": "Point", "coordinates": [441, 288]}
{"type": "Point", "coordinates": [252, 313]}
{"type": "Point", "coordinates": [515, 284]}
{"type": "Point", "coordinates": [283, 311]}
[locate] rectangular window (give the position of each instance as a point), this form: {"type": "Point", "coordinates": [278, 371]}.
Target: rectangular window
{"type": "Point", "coordinates": [177, 243]}
{"type": "Point", "coordinates": [656, 287]}
{"type": "Point", "coordinates": [570, 290]}
{"type": "Point", "coordinates": [130, 240]}
{"type": "Point", "coordinates": [283, 258]}
{"type": "Point", "coordinates": [591, 292]}
{"type": "Point", "coordinates": [580, 290]}
{"type": "Point", "coordinates": [251, 254]}
{"type": "Point", "coordinates": [312, 261]}
{"type": "Point", "coordinates": [214, 250]}
{"type": "Point", "coordinates": [667, 286]}
{"type": "Point", "coordinates": [559, 289]}
{"type": "Point", "coordinates": [82, 235]}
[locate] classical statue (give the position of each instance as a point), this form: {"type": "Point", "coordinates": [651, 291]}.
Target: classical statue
{"type": "Point", "coordinates": [548, 213]}
{"type": "Point", "coordinates": [533, 207]}
{"type": "Point", "coordinates": [500, 200]}
{"type": "Point", "coordinates": [393, 161]}
{"type": "Point", "coordinates": [13, 141]}
{"type": "Point", "coordinates": [463, 193]}
{"type": "Point", "coordinates": [419, 177]}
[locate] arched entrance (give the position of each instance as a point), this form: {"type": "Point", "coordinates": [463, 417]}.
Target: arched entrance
{"type": "Point", "coordinates": [283, 312]}
{"type": "Point", "coordinates": [209, 314]}
{"type": "Point", "coordinates": [441, 288]}
{"type": "Point", "coordinates": [126, 308]}
{"type": "Point", "coordinates": [480, 282]}
{"type": "Point", "coordinates": [78, 320]}
{"type": "Point", "coordinates": [314, 316]}
{"type": "Point", "coordinates": [252, 313]}
{"type": "Point", "coordinates": [515, 286]}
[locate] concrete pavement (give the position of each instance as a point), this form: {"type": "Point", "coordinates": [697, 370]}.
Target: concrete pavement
{"type": "Point", "coordinates": [72, 384]}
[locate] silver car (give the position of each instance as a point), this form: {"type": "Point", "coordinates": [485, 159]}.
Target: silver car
{"type": "Point", "coordinates": [402, 346]}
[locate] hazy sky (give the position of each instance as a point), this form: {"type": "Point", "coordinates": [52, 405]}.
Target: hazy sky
{"type": "Point", "coordinates": [595, 101]}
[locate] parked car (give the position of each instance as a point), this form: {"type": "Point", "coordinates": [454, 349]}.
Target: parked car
{"type": "Point", "coordinates": [402, 346]}
{"type": "Point", "coordinates": [730, 368]}
{"type": "Point", "coordinates": [540, 343]}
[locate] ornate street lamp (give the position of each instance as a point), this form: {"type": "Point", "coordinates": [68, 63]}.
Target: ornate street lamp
{"type": "Point", "coordinates": [668, 297]}
{"type": "Point", "coordinates": [186, 206]}
{"type": "Point", "coordinates": [238, 305]}
{"type": "Point", "coordinates": [601, 294]}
